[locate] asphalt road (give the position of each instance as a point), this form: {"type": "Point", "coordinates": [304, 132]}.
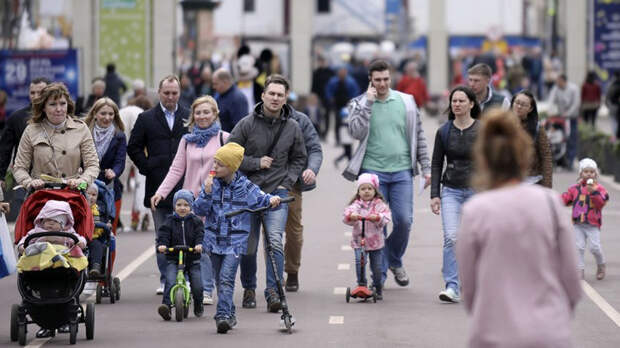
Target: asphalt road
{"type": "Point", "coordinates": [408, 317]}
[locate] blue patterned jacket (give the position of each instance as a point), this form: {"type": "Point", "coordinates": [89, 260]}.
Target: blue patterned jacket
{"type": "Point", "coordinates": [228, 235]}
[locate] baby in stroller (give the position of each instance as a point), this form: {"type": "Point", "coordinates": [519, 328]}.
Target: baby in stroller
{"type": "Point", "coordinates": [54, 216]}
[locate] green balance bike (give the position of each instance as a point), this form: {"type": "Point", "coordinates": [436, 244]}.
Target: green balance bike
{"type": "Point", "coordinates": [180, 293]}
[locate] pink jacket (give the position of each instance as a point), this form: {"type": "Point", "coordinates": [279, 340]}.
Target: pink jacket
{"type": "Point", "coordinates": [193, 162]}
{"type": "Point", "coordinates": [53, 208]}
{"type": "Point", "coordinates": [587, 207]}
{"type": "Point", "coordinates": [373, 232]}
{"type": "Point", "coordinates": [518, 268]}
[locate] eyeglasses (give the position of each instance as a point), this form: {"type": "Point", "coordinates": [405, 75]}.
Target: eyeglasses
{"type": "Point", "coordinates": [522, 105]}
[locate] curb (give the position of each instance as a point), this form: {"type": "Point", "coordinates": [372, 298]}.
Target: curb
{"type": "Point", "coordinates": [609, 181]}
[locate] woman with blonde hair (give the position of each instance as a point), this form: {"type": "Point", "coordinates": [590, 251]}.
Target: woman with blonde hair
{"type": "Point", "coordinates": [194, 161]}
{"type": "Point", "coordinates": [55, 143]}
{"type": "Point", "coordinates": [516, 250]}
{"type": "Point", "coordinates": [105, 123]}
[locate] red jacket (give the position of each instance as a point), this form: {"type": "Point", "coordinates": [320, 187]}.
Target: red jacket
{"type": "Point", "coordinates": [414, 86]}
{"type": "Point", "coordinates": [591, 93]}
{"type": "Point", "coordinates": [587, 207]}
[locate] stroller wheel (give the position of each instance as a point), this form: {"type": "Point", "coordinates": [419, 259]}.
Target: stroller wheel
{"type": "Point", "coordinates": [14, 322]}
{"type": "Point", "coordinates": [89, 321]}
{"type": "Point", "coordinates": [117, 288]}
{"type": "Point", "coordinates": [21, 333]}
{"type": "Point", "coordinates": [98, 294]}
{"type": "Point", "coordinates": [73, 328]}
{"type": "Point", "coordinates": [348, 294]}
{"type": "Point", "coordinates": [111, 292]}
{"type": "Point", "coordinates": [179, 303]}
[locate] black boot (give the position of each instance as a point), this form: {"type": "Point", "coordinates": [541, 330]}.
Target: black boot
{"type": "Point", "coordinates": [292, 282]}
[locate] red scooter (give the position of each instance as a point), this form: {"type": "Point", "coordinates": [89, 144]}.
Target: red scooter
{"type": "Point", "coordinates": [362, 292]}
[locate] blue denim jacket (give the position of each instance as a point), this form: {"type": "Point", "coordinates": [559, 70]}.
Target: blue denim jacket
{"type": "Point", "coordinates": [228, 235]}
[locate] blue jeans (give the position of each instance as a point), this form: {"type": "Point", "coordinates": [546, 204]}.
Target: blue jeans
{"type": "Point", "coordinates": [275, 223]}
{"type": "Point", "coordinates": [397, 188]}
{"type": "Point", "coordinates": [206, 271]}
{"type": "Point", "coordinates": [452, 200]}
{"type": "Point", "coordinates": [159, 216]}
{"type": "Point", "coordinates": [193, 269]}
{"type": "Point", "coordinates": [571, 147]}
{"type": "Point", "coordinates": [376, 262]}
{"type": "Point", "coordinates": [224, 272]}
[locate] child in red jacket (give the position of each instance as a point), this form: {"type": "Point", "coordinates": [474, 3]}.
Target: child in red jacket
{"type": "Point", "coordinates": [588, 198]}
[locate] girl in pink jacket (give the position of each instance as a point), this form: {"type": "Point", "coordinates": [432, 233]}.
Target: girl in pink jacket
{"type": "Point", "coordinates": [588, 198]}
{"type": "Point", "coordinates": [368, 204]}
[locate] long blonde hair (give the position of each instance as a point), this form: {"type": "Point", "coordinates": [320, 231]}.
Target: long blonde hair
{"type": "Point", "coordinates": [100, 103]}
{"type": "Point", "coordinates": [502, 152]}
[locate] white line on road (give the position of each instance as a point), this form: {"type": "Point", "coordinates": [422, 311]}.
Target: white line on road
{"type": "Point", "coordinates": [38, 342]}
{"type": "Point", "coordinates": [598, 300]}
{"type": "Point", "coordinates": [336, 320]}
{"type": "Point", "coordinates": [340, 291]}
{"type": "Point", "coordinates": [146, 254]}
{"type": "Point", "coordinates": [346, 248]}
{"type": "Point", "coordinates": [348, 234]}
{"type": "Point", "coordinates": [344, 266]}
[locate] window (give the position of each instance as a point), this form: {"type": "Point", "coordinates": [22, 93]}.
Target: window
{"type": "Point", "coordinates": [323, 6]}
{"type": "Point", "coordinates": [248, 5]}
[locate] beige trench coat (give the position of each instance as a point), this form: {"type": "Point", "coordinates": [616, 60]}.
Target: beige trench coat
{"type": "Point", "coordinates": [67, 153]}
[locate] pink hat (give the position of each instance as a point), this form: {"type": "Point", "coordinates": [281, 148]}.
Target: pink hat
{"type": "Point", "coordinates": [368, 178]}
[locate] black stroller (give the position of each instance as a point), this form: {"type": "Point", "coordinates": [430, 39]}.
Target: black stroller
{"type": "Point", "coordinates": [51, 299]}
{"type": "Point", "coordinates": [107, 285]}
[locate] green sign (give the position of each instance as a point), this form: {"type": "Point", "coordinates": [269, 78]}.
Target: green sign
{"type": "Point", "coordinates": [123, 37]}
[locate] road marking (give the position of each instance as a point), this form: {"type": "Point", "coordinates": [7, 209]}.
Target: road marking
{"type": "Point", "coordinates": [598, 300]}
{"type": "Point", "coordinates": [336, 320]}
{"type": "Point", "coordinates": [348, 234]}
{"type": "Point", "coordinates": [346, 248]}
{"type": "Point", "coordinates": [38, 342]}
{"type": "Point", "coordinates": [122, 275]}
{"type": "Point", "coordinates": [344, 266]}
{"type": "Point", "coordinates": [340, 291]}
{"type": "Point", "coordinates": [130, 268]}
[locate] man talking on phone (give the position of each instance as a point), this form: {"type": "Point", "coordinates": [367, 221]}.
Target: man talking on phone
{"type": "Point", "coordinates": [392, 146]}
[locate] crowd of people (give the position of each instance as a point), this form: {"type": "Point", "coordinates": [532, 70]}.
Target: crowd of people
{"type": "Point", "coordinates": [197, 157]}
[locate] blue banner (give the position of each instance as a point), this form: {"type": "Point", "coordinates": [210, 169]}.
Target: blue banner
{"type": "Point", "coordinates": [17, 68]}
{"type": "Point", "coordinates": [606, 34]}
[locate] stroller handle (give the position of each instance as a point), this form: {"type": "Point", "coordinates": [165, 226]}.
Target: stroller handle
{"type": "Point", "coordinates": [247, 210]}
{"type": "Point", "coordinates": [50, 234]}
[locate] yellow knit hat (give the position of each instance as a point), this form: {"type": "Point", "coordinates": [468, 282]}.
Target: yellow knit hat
{"type": "Point", "coordinates": [230, 155]}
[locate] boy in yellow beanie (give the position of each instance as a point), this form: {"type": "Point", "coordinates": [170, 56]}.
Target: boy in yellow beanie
{"type": "Point", "coordinates": [226, 239]}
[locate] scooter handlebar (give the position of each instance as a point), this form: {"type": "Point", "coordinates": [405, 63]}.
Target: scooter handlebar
{"type": "Point", "coordinates": [247, 210]}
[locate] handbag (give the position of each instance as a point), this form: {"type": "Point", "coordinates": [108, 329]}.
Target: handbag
{"type": "Point", "coordinates": [8, 262]}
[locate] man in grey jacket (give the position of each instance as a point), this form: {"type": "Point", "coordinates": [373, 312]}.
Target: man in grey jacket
{"type": "Point", "coordinates": [306, 182]}
{"type": "Point", "coordinates": [392, 144]}
{"type": "Point", "coordinates": [566, 97]}
{"type": "Point", "coordinates": [275, 156]}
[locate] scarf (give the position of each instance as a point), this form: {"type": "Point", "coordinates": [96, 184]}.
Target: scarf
{"type": "Point", "coordinates": [55, 126]}
{"type": "Point", "coordinates": [201, 136]}
{"type": "Point", "coordinates": [102, 138]}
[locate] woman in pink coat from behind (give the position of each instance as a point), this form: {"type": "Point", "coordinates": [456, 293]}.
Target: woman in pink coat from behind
{"type": "Point", "coordinates": [516, 249]}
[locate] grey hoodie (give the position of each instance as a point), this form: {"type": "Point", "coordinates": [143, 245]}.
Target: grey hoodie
{"type": "Point", "coordinates": [256, 133]}
{"type": "Point", "coordinates": [313, 147]}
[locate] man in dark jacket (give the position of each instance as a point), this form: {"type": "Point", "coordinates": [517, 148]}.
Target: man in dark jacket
{"type": "Point", "coordinates": [232, 103]}
{"type": "Point", "coordinates": [114, 86]}
{"type": "Point", "coordinates": [274, 159]}
{"type": "Point", "coordinates": [159, 131]}
{"type": "Point", "coordinates": [12, 134]}
{"type": "Point", "coordinates": [306, 182]}
{"type": "Point", "coordinates": [478, 79]}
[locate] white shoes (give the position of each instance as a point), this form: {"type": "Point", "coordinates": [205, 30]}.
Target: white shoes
{"type": "Point", "coordinates": [206, 298]}
{"type": "Point", "coordinates": [160, 290]}
{"type": "Point", "coordinates": [449, 295]}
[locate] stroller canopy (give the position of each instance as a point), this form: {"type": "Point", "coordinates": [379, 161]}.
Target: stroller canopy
{"type": "Point", "coordinates": [82, 214]}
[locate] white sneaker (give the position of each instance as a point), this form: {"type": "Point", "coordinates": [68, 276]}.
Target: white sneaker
{"type": "Point", "coordinates": [449, 295]}
{"type": "Point", "coordinates": [160, 290]}
{"type": "Point", "coordinates": [206, 298]}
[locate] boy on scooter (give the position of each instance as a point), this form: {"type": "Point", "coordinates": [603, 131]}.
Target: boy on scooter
{"type": "Point", "coordinates": [226, 239]}
{"type": "Point", "coordinates": [182, 228]}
